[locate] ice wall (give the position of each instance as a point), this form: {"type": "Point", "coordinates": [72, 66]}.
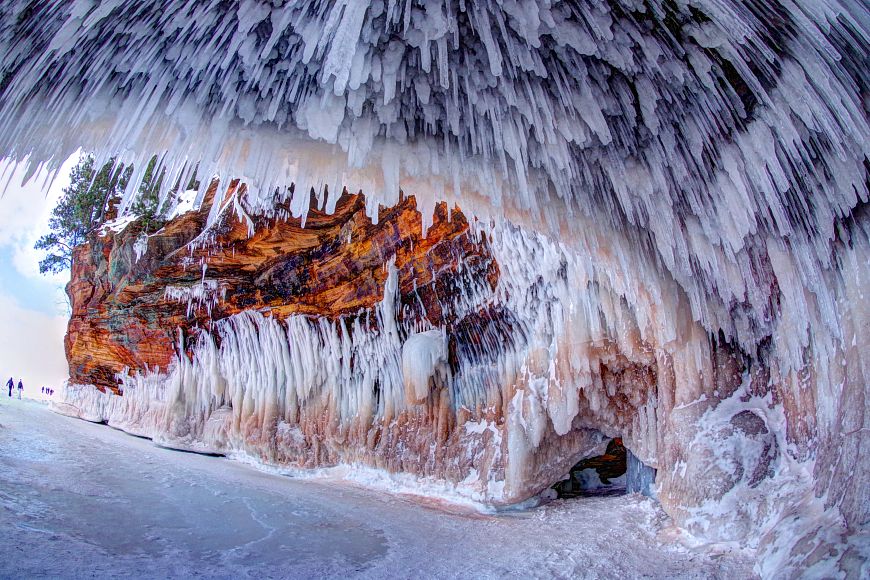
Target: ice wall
{"type": "Point", "coordinates": [573, 343]}
{"type": "Point", "coordinates": [582, 342]}
{"type": "Point", "coordinates": [371, 388]}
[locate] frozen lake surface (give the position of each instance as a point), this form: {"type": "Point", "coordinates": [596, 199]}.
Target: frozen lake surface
{"type": "Point", "coordinates": [83, 500]}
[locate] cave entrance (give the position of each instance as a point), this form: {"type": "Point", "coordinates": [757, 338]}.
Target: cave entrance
{"type": "Point", "coordinates": [615, 472]}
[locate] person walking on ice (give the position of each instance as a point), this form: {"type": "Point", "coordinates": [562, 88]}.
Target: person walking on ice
{"type": "Point", "coordinates": [20, 389]}
{"type": "Point", "coordinates": [10, 384]}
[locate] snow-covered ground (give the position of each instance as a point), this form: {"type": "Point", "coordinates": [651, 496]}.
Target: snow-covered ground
{"type": "Point", "coordinates": [84, 500]}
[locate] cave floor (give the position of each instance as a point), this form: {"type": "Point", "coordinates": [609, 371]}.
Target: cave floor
{"type": "Point", "coordinates": [85, 500]}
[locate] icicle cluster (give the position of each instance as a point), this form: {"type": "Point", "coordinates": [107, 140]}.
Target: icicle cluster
{"type": "Point", "coordinates": [698, 128]}
{"type": "Point", "coordinates": [205, 293]}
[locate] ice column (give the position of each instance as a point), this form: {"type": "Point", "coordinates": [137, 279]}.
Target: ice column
{"type": "Point", "coordinates": [639, 477]}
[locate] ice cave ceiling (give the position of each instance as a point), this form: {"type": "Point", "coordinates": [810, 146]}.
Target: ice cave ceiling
{"type": "Point", "coordinates": [738, 117]}
{"type": "Point", "coordinates": [695, 130]}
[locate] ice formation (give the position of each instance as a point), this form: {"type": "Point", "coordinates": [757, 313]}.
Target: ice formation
{"type": "Point", "coordinates": [675, 193]}
{"type": "Point", "coordinates": [639, 478]}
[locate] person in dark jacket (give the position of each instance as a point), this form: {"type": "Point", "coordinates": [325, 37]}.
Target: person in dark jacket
{"type": "Point", "coordinates": [10, 384]}
{"type": "Point", "coordinates": [20, 389]}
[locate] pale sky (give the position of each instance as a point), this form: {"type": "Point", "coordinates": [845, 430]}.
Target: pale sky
{"type": "Point", "coordinates": [33, 309]}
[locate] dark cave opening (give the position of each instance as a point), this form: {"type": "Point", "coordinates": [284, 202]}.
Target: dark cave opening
{"type": "Point", "coordinates": [615, 472]}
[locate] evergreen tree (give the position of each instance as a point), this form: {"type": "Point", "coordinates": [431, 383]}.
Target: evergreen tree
{"type": "Point", "coordinates": [80, 210]}
{"type": "Point", "coordinates": [83, 205]}
{"type": "Point", "coordinates": [146, 206]}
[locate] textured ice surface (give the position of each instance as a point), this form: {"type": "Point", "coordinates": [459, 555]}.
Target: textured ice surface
{"type": "Point", "coordinates": [639, 478]}
{"type": "Point", "coordinates": [66, 484]}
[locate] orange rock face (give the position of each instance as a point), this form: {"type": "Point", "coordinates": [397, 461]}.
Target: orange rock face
{"type": "Point", "coordinates": [124, 319]}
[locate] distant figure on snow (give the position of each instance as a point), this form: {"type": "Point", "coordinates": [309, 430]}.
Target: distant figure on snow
{"type": "Point", "coordinates": [10, 384]}
{"type": "Point", "coordinates": [20, 389]}
{"type": "Point", "coordinates": [42, 390]}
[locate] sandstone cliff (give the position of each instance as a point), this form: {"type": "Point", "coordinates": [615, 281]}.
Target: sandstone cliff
{"type": "Point", "coordinates": [143, 306]}
{"type": "Point", "coordinates": [129, 302]}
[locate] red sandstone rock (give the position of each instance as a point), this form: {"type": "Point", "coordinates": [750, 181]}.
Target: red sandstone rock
{"type": "Point", "coordinates": [123, 321]}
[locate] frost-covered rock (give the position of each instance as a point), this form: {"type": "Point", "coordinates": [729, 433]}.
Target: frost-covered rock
{"type": "Point", "coordinates": [672, 196]}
